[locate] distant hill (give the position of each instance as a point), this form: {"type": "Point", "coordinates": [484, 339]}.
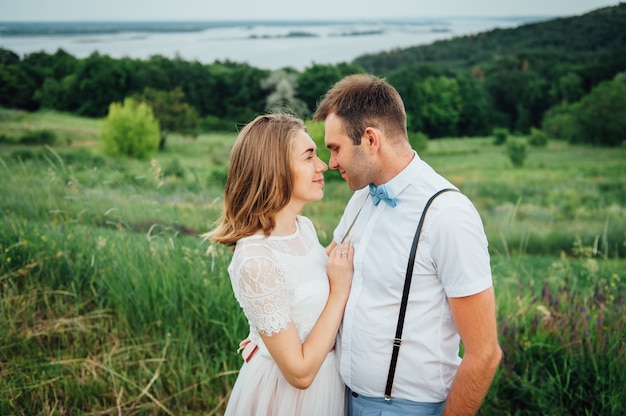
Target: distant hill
{"type": "Point", "coordinates": [109, 27]}
{"type": "Point", "coordinates": [597, 32]}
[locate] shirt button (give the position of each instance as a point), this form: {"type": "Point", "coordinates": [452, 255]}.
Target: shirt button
{"type": "Point", "coordinates": [354, 394]}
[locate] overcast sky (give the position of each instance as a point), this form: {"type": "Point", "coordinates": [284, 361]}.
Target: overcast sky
{"type": "Point", "coordinates": [69, 10]}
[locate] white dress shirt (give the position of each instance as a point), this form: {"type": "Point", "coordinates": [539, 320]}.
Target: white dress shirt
{"type": "Point", "coordinates": [452, 261]}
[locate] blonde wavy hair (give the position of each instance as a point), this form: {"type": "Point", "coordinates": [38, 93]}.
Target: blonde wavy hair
{"type": "Point", "coordinates": [259, 182]}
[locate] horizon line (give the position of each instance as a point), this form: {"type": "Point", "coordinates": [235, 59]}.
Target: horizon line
{"type": "Point", "coordinates": [286, 19]}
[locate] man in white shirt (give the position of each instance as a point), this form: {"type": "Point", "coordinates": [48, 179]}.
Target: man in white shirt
{"type": "Point", "coordinates": [451, 296]}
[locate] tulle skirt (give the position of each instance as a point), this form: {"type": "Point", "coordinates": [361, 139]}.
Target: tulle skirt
{"type": "Point", "coordinates": [261, 390]}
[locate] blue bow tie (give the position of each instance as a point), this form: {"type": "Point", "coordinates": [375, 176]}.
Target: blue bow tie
{"type": "Point", "coordinates": [379, 193]}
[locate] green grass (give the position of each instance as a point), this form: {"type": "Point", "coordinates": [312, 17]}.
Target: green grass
{"type": "Point", "coordinates": [563, 331]}
{"type": "Point", "coordinates": [110, 303]}
{"type": "Point", "coordinates": [562, 192]}
{"type": "Point", "coordinates": [70, 130]}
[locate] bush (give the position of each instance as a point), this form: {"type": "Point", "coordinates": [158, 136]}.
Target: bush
{"type": "Point", "coordinates": [213, 124]}
{"type": "Point", "coordinates": [537, 138]}
{"type": "Point", "coordinates": [500, 135]}
{"type": "Point", "coordinates": [130, 129]}
{"type": "Point", "coordinates": [218, 175]}
{"type": "Point", "coordinates": [601, 115]}
{"type": "Point", "coordinates": [419, 141]}
{"type": "Point", "coordinates": [24, 155]}
{"type": "Point", "coordinates": [559, 122]}
{"type": "Point", "coordinates": [84, 159]}
{"type": "Point", "coordinates": [42, 137]}
{"type": "Point", "coordinates": [516, 150]}
{"type": "Point", "coordinates": [599, 118]}
{"type": "Point", "coordinates": [4, 139]}
{"type": "Point", "coordinates": [174, 168]}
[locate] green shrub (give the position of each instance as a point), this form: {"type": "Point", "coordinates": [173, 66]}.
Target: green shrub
{"type": "Point", "coordinates": [516, 150]}
{"type": "Point", "coordinates": [419, 141]}
{"type": "Point", "coordinates": [559, 122]}
{"type": "Point", "coordinates": [41, 137]}
{"type": "Point", "coordinates": [216, 124]}
{"type": "Point", "coordinates": [537, 138]}
{"type": "Point", "coordinates": [601, 115]}
{"type": "Point", "coordinates": [130, 129]}
{"type": "Point", "coordinates": [174, 168]}
{"type": "Point", "coordinates": [218, 175]}
{"type": "Point", "coordinates": [24, 155]}
{"type": "Point", "coordinates": [219, 152]}
{"type": "Point", "coordinates": [84, 159]}
{"type": "Point", "coordinates": [599, 118]}
{"type": "Point", "coordinates": [500, 134]}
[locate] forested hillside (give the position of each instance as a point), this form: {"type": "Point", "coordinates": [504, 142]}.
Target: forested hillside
{"type": "Point", "coordinates": [598, 33]}
{"type": "Point", "coordinates": [534, 75]}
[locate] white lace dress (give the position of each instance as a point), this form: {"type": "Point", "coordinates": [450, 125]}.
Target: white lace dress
{"type": "Point", "coordinates": [278, 280]}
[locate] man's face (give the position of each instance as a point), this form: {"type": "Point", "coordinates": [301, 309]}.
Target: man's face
{"type": "Point", "coordinates": [353, 162]}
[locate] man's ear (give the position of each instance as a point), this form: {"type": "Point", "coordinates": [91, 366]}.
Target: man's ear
{"type": "Point", "coordinates": [371, 139]}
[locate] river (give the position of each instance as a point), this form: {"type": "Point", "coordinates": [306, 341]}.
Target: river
{"type": "Point", "coordinates": [267, 46]}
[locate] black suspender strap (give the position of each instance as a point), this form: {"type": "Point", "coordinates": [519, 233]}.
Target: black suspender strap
{"type": "Point", "coordinates": [405, 296]}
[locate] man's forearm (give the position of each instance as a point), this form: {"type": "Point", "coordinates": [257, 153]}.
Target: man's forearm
{"type": "Point", "coordinates": [472, 382]}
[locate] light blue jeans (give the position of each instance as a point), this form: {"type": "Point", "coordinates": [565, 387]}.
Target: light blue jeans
{"type": "Point", "coordinates": [359, 405]}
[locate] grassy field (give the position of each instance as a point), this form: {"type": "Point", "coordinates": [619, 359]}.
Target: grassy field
{"type": "Point", "coordinates": [111, 304]}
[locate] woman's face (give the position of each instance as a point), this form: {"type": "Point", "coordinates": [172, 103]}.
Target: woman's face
{"type": "Point", "coordinates": [307, 169]}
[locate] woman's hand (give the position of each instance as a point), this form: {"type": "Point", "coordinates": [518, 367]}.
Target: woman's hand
{"type": "Point", "coordinates": [341, 268]}
{"type": "Point", "coordinates": [299, 363]}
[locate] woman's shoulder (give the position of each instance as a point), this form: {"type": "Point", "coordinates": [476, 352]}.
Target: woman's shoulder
{"type": "Point", "coordinates": [306, 225]}
{"type": "Point", "coordinates": [305, 221]}
{"type": "Point", "coordinates": [252, 247]}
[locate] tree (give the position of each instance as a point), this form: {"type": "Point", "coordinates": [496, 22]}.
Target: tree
{"type": "Point", "coordinates": [476, 108]}
{"type": "Point", "coordinates": [442, 106]}
{"type": "Point", "coordinates": [601, 114]}
{"type": "Point", "coordinates": [174, 114]}
{"type": "Point", "coordinates": [405, 82]}
{"type": "Point", "coordinates": [41, 65]}
{"type": "Point", "coordinates": [17, 89]}
{"type": "Point", "coordinates": [59, 94]}
{"type": "Point", "coordinates": [568, 88]}
{"type": "Point", "coordinates": [533, 102]}
{"type": "Point", "coordinates": [559, 123]}
{"type": "Point", "coordinates": [8, 57]}
{"type": "Point", "coordinates": [156, 72]}
{"type": "Point", "coordinates": [409, 82]}
{"type": "Point", "coordinates": [233, 92]}
{"type": "Point", "coordinates": [49, 95]}
{"type": "Point", "coordinates": [100, 81]}
{"type": "Point", "coordinates": [130, 129]}
{"type": "Point", "coordinates": [315, 81]}
{"type": "Point", "coordinates": [283, 97]}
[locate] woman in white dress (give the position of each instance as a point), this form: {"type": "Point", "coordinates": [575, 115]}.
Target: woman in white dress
{"type": "Point", "coordinates": [292, 293]}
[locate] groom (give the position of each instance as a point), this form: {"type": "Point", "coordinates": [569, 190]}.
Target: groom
{"type": "Point", "coordinates": [451, 296]}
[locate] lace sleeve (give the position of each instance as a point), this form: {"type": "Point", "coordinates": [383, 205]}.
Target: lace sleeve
{"type": "Point", "coordinates": [263, 293]}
